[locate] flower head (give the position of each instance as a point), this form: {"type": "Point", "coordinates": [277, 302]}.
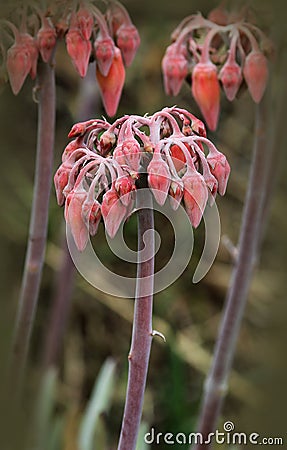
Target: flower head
{"type": "Point", "coordinates": [218, 51]}
{"type": "Point", "coordinates": [106, 164]}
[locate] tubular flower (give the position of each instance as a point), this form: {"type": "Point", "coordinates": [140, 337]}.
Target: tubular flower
{"type": "Point", "coordinates": [105, 164]}
{"type": "Point", "coordinates": [221, 50]}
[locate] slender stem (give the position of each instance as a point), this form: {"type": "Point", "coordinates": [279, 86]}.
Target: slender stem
{"type": "Point", "coordinates": [38, 222]}
{"type": "Point", "coordinates": [60, 309]}
{"type": "Point", "coordinates": [142, 329]}
{"type": "Point", "coordinates": [217, 380]}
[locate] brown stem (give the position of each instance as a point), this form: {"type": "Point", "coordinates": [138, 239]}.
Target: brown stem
{"type": "Point", "coordinates": [38, 222]}
{"type": "Point", "coordinates": [142, 330]}
{"type": "Point", "coordinates": [217, 379]}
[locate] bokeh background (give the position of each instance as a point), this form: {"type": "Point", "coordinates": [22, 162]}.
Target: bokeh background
{"type": "Point", "coordinates": [95, 326]}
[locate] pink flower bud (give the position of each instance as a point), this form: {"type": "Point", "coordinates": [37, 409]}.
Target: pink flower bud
{"type": "Point", "coordinates": [32, 48]}
{"type": "Point", "coordinates": [132, 152]}
{"type": "Point", "coordinates": [220, 168]}
{"type": "Point", "coordinates": [231, 78]}
{"type": "Point", "coordinates": [195, 196]}
{"type": "Point", "coordinates": [91, 213]}
{"type": "Point", "coordinates": [119, 156]}
{"type": "Point", "coordinates": [85, 22]}
{"type": "Point", "coordinates": [18, 66]}
{"type": "Point", "coordinates": [61, 178]}
{"type": "Point", "coordinates": [107, 141]}
{"type": "Point", "coordinates": [111, 86]}
{"type": "Point", "coordinates": [79, 50]}
{"type": "Point", "coordinates": [159, 178]}
{"type": "Point", "coordinates": [128, 41]}
{"type": "Point", "coordinates": [124, 186]}
{"type": "Point", "coordinates": [255, 72]}
{"type": "Point", "coordinates": [74, 217]}
{"type": "Point", "coordinates": [206, 91]}
{"type": "Point", "coordinates": [175, 69]}
{"type": "Point", "coordinates": [104, 50]}
{"type": "Point", "coordinates": [46, 40]}
{"type": "Point", "coordinates": [113, 212]}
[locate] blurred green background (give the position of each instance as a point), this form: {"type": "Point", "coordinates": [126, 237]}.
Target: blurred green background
{"type": "Point", "coordinates": [99, 326]}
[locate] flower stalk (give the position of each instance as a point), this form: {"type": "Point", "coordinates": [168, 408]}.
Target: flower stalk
{"type": "Point", "coordinates": [142, 329]}
{"type": "Point", "coordinates": [217, 380]}
{"type": "Point", "coordinates": [38, 222]}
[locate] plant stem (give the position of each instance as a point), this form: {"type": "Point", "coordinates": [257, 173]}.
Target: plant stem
{"type": "Point", "coordinates": [142, 329]}
{"type": "Point", "coordinates": [38, 222]}
{"type": "Point", "coordinates": [217, 379]}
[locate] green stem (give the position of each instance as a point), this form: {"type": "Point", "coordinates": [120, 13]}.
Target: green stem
{"type": "Point", "coordinates": [38, 223]}
{"type": "Point", "coordinates": [142, 330]}
{"type": "Point", "coordinates": [217, 379]}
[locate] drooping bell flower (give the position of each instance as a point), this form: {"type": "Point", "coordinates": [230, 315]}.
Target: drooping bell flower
{"type": "Point", "coordinates": [73, 214]}
{"type": "Point", "coordinates": [231, 77]}
{"type": "Point", "coordinates": [128, 41]}
{"type": "Point", "coordinates": [111, 85]}
{"type": "Point", "coordinates": [18, 65]}
{"type": "Point", "coordinates": [175, 69]}
{"type": "Point", "coordinates": [206, 91]}
{"type": "Point", "coordinates": [29, 42]}
{"type": "Point", "coordinates": [220, 169]}
{"type": "Point", "coordinates": [132, 153]}
{"type": "Point", "coordinates": [125, 186]}
{"type": "Point", "coordinates": [159, 178]}
{"type": "Point", "coordinates": [79, 49]}
{"type": "Point", "coordinates": [255, 72]}
{"type": "Point", "coordinates": [85, 22]}
{"type": "Point", "coordinates": [113, 212]}
{"type": "Point", "coordinates": [104, 50]}
{"type": "Point", "coordinates": [195, 196]}
{"type": "Point", "coordinates": [46, 39]}
{"type": "Point", "coordinates": [91, 214]}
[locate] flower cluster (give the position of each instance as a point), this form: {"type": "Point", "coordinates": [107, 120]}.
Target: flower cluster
{"type": "Point", "coordinates": [224, 49]}
{"type": "Point", "coordinates": [111, 40]}
{"type": "Point", "coordinates": [104, 165]}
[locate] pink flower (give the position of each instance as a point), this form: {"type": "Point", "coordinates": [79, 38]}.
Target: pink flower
{"type": "Point", "coordinates": [195, 196]}
{"type": "Point", "coordinates": [74, 217]}
{"type": "Point", "coordinates": [255, 72]}
{"type": "Point", "coordinates": [85, 22]}
{"type": "Point", "coordinates": [125, 186]}
{"type": "Point", "coordinates": [79, 50]}
{"type": "Point", "coordinates": [104, 50]}
{"type": "Point", "coordinates": [220, 168]}
{"type": "Point", "coordinates": [128, 41]}
{"type": "Point", "coordinates": [175, 70]}
{"type": "Point", "coordinates": [132, 153]}
{"type": "Point", "coordinates": [231, 78]}
{"type": "Point", "coordinates": [91, 214]}
{"type": "Point", "coordinates": [111, 85]}
{"type": "Point", "coordinates": [18, 66]}
{"type": "Point", "coordinates": [206, 91]}
{"type": "Point", "coordinates": [46, 39]}
{"type": "Point", "coordinates": [113, 212]}
{"type": "Point", "coordinates": [159, 178]}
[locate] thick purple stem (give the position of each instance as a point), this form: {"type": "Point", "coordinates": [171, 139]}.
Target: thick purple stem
{"type": "Point", "coordinates": [142, 329]}
{"type": "Point", "coordinates": [217, 380]}
{"type": "Point", "coordinates": [38, 223]}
